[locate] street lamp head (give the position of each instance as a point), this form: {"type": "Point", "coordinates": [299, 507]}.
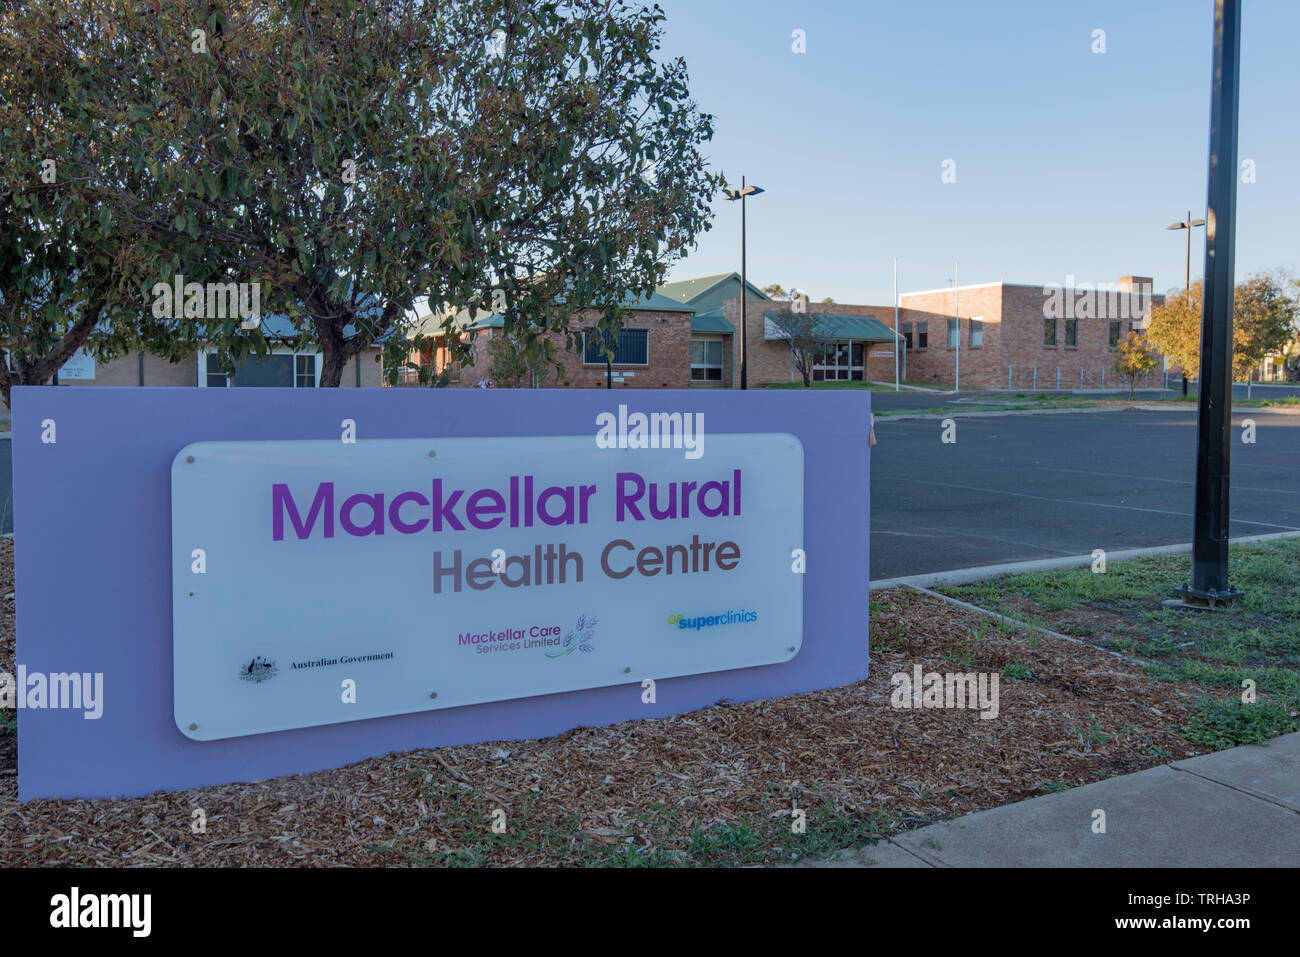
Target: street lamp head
{"type": "Point", "coordinates": [743, 192]}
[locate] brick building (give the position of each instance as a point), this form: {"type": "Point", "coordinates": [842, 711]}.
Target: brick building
{"type": "Point", "coordinates": [1015, 336]}
{"type": "Point", "coordinates": [687, 335]}
{"type": "Point", "coordinates": [284, 367]}
{"type": "Point", "coordinates": [662, 345]}
{"type": "Point", "coordinates": [653, 350]}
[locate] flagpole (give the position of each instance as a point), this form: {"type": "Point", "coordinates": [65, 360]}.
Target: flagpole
{"type": "Point", "coordinates": [897, 345]}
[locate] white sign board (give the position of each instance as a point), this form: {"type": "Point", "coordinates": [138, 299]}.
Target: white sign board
{"type": "Point", "coordinates": [317, 582]}
{"type": "Point", "coordinates": [80, 366]}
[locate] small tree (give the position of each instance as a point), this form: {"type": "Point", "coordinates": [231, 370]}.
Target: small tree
{"type": "Point", "coordinates": [1175, 329]}
{"type": "Point", "coordinates": [512, 364]}
{"type": "Point", "coordinates": [1134, 358]}
{"type": "Point", "coordinates": [1263, 321]}
{"type": "Point", "coordinates": [805, 333]}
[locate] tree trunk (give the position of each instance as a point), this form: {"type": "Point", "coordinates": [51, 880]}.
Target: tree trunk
{"type": "Point", "coordinates": [334, 361]}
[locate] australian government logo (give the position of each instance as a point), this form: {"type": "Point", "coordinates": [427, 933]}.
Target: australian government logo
{"type": "Point", "coordinates": [262, 669]}
{"type": "Point", "coordinates": [258, 670]}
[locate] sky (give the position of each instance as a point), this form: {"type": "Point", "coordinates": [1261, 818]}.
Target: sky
{"type": "Point", "coordinates": [1067, 162]}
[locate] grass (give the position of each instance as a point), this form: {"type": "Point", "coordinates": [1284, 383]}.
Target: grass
{"type": "Point", "coordinates": [871, 386]}
{"type": "Point", "coordinates": [996, 406]}
{"type": "Point", "coordinates": [1251, 645]}
{"type": "Point", "coordinates": [657, 837]}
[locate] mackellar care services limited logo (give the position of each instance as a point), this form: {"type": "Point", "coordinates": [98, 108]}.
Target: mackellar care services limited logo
{"type": "Point", "coordinates": [578, 638]}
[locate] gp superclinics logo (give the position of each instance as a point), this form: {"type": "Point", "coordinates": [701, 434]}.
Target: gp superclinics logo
{"type": "Point", "coordinates": [695, 623]}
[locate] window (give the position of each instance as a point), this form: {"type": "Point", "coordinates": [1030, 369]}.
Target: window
{"type": "Point", "coordinates": [1071, 332]}
{"type": "Point", "coordinates": [923, 335]}
{"type": "Point", "coordinates": [954, 333]}
{"type": "Point", "coordinates": [285, 370]}
{"type": "Point", "coordinates": [905, 330]}
{"type": "Point", "coordinates": [706, 360]}
{"type": "Point", "coordinates": [976, 332]}
{"type": "Point", "coordinates": [216, 379]}
{"type": "Point", "coordinates": [1114, 333]}
{"type": "Point", "coordinates": [304, 372]}
{"type": "Point", "coordinates": [633, 348]}
{"type": "Point", "coordinates": [839, 362]}
{"type": "Point", "coordinates": [273, 371]}
{"type": "Point", "coordinates": [1049, 332]}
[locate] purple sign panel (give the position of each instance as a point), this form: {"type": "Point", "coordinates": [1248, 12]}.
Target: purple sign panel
{"type": "Point", "coordinates": [229, 585]}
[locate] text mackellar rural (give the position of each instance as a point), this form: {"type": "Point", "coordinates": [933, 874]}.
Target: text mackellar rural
{"type": "Point", "coordinates": [519, 505]}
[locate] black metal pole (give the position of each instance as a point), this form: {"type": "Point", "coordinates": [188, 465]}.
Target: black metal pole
{"type": "Point", "coordinates": [1214, 422]}
{"type": "Point", "coordinates": [744, 377]}
{"type": "Point", "coordinates": [1187, 281]}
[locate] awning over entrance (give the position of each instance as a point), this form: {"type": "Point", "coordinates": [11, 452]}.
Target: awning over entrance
{"type": "Point", "coordinates": [834, 326]}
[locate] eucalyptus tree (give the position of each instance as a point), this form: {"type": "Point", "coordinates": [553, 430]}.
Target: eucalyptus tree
{"type": "Point", "coordinates": [350, 157]}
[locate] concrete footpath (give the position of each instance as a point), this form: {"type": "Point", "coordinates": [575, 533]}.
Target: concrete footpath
{"type": "Point", "coordinates": [1234, 808]}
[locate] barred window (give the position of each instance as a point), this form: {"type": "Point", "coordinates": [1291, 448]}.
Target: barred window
{"type": "Point", "coordinates": [633, 348]}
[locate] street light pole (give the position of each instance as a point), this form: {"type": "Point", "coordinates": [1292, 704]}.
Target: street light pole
{"type": "Point", "coordinates": [1187, 224]}
{"type": "Point", "coordinates": [740, 194]}
{"type": "Point", "coordinates": [1209, 585]}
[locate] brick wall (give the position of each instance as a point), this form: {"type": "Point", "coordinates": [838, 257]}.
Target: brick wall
{"type": "Point", "coordinates": [668, 348]}
{"type": "Point", "coordinates": [125, 371]}
{"type": "Point", "coordinates": [1014, 331]}
{"type": "Point", "coordinates": [937, 363]}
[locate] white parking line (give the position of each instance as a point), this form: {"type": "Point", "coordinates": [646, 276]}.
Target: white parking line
{"type": "Point", "coordinates": [1067, 501]}
{"type": "Point", "coordinates": [1152, 478]}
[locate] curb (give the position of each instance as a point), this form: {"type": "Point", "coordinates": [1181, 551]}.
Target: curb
{"type": "Point", "coordinates": [889, 416]}
{"type": "Point", "coordinates": [965, 576]}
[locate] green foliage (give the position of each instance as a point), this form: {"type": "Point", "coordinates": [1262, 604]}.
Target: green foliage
{"type": "Point", "coordinates": [1134, 359]}
{"type": "Point", "coordinates": [1226, 724]}
{"type": "Point", "coordinates": [69, 277]}
{"type": "Point", "coordinates": [1264, 321]}
{"type": "Point", "coordinates": [513, 361]}
{"type": "Point", "coordinates": [353, 157]}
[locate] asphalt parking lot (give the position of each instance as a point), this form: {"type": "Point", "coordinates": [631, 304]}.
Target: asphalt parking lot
{"type": "Point", "coordinates": [1022, 487]}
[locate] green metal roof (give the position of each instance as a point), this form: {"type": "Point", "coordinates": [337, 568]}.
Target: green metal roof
{"type": "Point", "coordinates": [835, 326]}
{"type": "Point", "coordinates": [656, 303]}
{"type": "Point", "coordinates": [690, 290]}
{"type": "Point", "coordinates": [651, 303]}
{"type": "Point", "coordinates": [714, 321]}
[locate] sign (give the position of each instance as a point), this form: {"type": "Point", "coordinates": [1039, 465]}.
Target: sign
{"type": "Point", "coordinates": [525, 566]}
{"type": "Point", "coordinates": [153, 660]}
{"type": "Point", "coordinates": [80, 366]}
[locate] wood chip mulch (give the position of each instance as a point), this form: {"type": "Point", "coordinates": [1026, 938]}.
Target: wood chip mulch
{"type": "Point", "coordinates": [1080, 714]}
